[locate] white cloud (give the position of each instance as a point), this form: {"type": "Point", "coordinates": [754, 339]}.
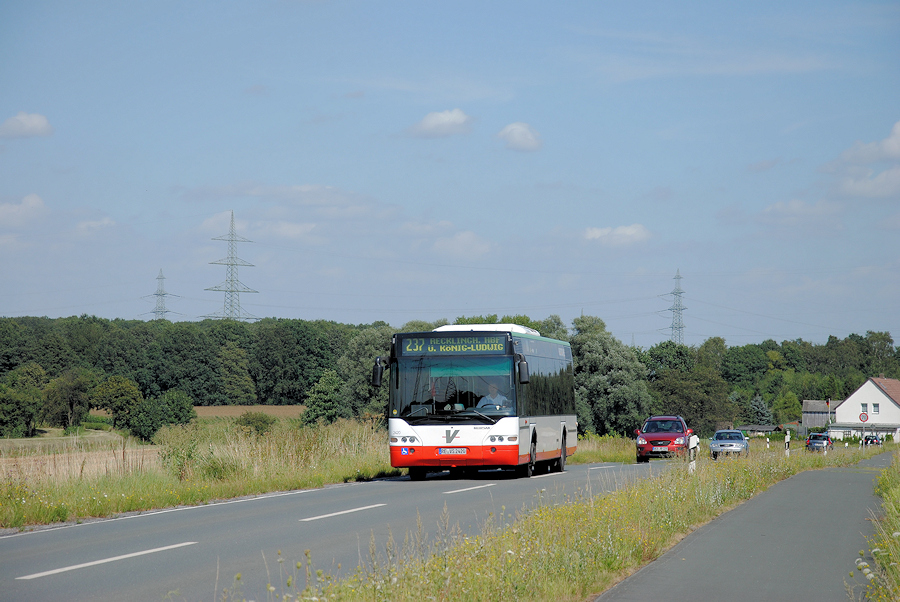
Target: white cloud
{"type": "Point", "coordinates": [25, 125]}
{"type": "Point", "coordinates": [799, 214]}
{"type": "Point", "coordinates": [887, 149]}
{"type": "Point", "coordinates": [442, 124]}
{"type": "Point", "coordinates": [88, 227]}
{"type": "Point", "coordinates": [618, 236]}
{"type": "Point", "coordinates": [17, 214]}
{"type": "Point", "coordinates": [521, 137]}
{"type": "Point", "coordinates": [420, 228]}
{"type": "Point", "coordinates": [861, 169]}
{"type": "Point", "coordinates": [462, 245]}
{"type": "Point", "coordinates": [281, 229]}
{"type": "Point", "coordinates": [881, 185]}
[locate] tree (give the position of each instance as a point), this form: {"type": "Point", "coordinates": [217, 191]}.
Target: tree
{"type": "Point", "coordinates": [324, 403]}
{"type": "Point", "coordinates": [668, 355]}
{"type": "Point", "coordinates": [67, 398]}
{"type": "Point", "coordinates": [180, 405]}
{"type": "Point", "coordinates": [699, 396]}
{"type": "Point", "coordinates": [743, 366]}
{"type": "Point", "coordinates": [184, 358]}
{"type": "Point", "coordinates": [759, 412]}
{"type": "Point", "coordinates": [147, 416]}
{"type": "Point", "coordinates": [234, 374]}
{"type": "Point", "coordinates": [150, 414]}
{"type": "Point", "coordinates": [786, 407]}
{"type": "Point", "coordinates": [609, 380]}
{"type": "Point", "coordinates": [711, 353]}
{"type": "Point", "coordinates": [422, 325]}
{"type": "Point", "coordinates": [289, 356]}
{"type": "Point", "coordinates": [21, 400]}
{"type": "Point", "coordinates": [355, 371]}
{"type": "Point", "coordinates": [119, 396]}
{"type": "Point", "coordinates": [553, 328]}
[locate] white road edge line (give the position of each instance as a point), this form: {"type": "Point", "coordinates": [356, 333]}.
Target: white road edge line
{"type": "Point", "coordinates": [105, 560]}
{"type": "Point", "coordinates": [471, 488]}
{"type": "Point", "coordinates": [544, 476]}
{"type": "Point", "coordinates": [302, 520]}
{"type": "Point", "coordinates": [602, 467]}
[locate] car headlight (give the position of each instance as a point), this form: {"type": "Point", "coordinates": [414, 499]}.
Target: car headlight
{"type": "Point", "coordinates": [679, 441]}
{"type": "Point", "coordinates": [641, 441]}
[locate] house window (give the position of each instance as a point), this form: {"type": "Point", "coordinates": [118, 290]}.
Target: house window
{"type": "Point", "coordinates": [874, 408]}
{"type": "Point", "coordinates": [864, 408]}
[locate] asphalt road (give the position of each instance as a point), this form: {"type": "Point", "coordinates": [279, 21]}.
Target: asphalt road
{"type": "Point", "coordinates": [195, 552]}
{"type": "Point", "coordinates": [798, 540]}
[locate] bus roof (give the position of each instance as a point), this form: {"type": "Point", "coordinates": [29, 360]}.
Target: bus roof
{"type": "Point", "coordinates": [488, 328]}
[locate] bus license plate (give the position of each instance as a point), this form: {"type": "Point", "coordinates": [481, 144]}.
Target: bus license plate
{"type": "Point", "coordinates": [452, 450]}
{"type": "Point", "coordinates": [663, 448]}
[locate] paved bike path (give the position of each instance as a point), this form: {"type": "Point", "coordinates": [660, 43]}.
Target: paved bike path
{"type": "Point", "coordinates": [798, 540]}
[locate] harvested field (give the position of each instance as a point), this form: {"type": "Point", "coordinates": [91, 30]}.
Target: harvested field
{"type": "Point", "coordinates": [58, 466]}
{"type": "Point", "coordinates": [235, 411]}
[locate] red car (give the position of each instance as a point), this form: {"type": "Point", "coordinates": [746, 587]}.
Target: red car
{"type": "Point", "coordinates": [661, 437]}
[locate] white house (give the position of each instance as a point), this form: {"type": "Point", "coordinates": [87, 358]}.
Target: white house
{"type": "Point", "coordinates": [874, 408]}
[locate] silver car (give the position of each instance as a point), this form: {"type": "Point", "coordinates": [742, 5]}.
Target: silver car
{"type": "Point", "coordinates": [728, 442]}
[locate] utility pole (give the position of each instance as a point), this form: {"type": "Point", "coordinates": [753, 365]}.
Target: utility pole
{"type": "Point", "coordinates": [232, 287]}
{"type": "Point", "coordinates": [676, 309]}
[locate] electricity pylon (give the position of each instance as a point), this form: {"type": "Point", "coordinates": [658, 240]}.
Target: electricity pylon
{"type": "Point", "coordinates": [676, 309]}
{"type": "Point", "coordinates": [160, 311]}
{"type": "Point", "coordinates": [232, 287]}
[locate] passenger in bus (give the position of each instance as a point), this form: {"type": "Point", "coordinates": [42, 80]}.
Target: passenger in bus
{"type": "Point", "coordinates": [493, 398]}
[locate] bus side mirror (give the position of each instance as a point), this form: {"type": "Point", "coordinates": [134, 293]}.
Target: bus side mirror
{"type": "Point", "coordinates": [377, 372]}
{"type": "Point", "coordinates": [523, 371]}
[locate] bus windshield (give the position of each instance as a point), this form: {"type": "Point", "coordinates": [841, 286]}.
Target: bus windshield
{"type": "Point", "coordinates": [453, 385]}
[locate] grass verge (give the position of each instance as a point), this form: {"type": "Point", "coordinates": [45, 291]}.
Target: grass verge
{"type": "Point", "coordinates": [877, 575]}
{"type": "Point", "coordinates": [567, 551]}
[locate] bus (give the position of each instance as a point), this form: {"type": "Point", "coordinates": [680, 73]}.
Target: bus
{"type": "Point", "coordinates": [478, 396]}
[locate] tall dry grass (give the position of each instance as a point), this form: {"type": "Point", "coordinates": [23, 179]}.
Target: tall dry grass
{"type": "Point", "coordinates": [204, 461]}
{"type": "Point", "coordinates": [877, 574]}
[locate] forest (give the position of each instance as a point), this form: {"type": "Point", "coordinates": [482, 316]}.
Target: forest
{"type": "Point", "coordinates": [145, 374]}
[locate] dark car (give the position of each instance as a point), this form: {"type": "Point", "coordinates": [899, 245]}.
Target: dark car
{"type": "Point", "coordinates": [662, 437]}
{"type": "Point", "coordinates": [871, 440]}
{"type": "Point", "coordinates": [819, 442]}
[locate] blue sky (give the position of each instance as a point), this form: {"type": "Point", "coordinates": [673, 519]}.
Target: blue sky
{"type": "Point", "coordinates": [423, 160]}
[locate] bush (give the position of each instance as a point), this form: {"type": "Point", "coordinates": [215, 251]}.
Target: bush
{"type": "Point", "coordinates": [258, 421]}
{"type": "Point", "coordinates": [148, 417]}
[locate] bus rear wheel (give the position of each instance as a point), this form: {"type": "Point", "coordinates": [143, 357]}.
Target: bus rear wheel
{"type": "Point", "coordinates": [527, 470]}
{"type": "Point", "coordinates": [561, 461]}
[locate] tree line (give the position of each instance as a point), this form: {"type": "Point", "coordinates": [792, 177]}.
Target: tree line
{"type": "Point", "coordinates": [52, 371]}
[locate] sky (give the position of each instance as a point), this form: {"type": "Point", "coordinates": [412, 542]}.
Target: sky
{"type": "Point", "coordinates": [397, 161]}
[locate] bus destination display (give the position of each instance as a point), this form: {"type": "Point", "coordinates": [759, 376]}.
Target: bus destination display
{"type": "Point", "coordinates": [453, 345]}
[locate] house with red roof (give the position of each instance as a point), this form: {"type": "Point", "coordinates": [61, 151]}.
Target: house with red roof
{"type": "Point", "coordinates": [874, 408]}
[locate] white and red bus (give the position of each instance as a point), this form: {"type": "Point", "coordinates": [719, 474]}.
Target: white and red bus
{"type": "Point", "coordinates": [467, 397]}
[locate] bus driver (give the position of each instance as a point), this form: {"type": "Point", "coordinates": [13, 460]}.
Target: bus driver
{"type": "Point", "coordinates": [493, 398]}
